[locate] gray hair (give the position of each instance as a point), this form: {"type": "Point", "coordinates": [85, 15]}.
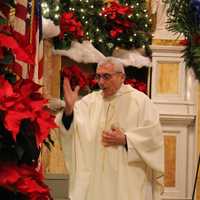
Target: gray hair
{"type": "Point", "coordinates": [118, 65]}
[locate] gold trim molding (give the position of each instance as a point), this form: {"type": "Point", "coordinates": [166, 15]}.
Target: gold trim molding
{"type": "Point", "coordinates": [166, 42]}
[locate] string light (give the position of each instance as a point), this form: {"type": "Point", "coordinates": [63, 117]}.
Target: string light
{"type": "Point", "coordinates": [57, 8]}
{"type": "Point", "coordinates": [131, 39]}
{"type": "Point", "coordinates": [56, 16]}
{"type": "Point", "coordinates": [44, 5]}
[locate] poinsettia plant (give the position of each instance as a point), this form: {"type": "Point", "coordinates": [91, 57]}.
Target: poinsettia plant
{"type": "Point", "coordinates": [118, 20]}
{"type": "Point", "coordinates": [25, 123]}
{"type": "Point", "coordinates": [24, 179]}
{"type": "Point", "coordinates": [70, 29]}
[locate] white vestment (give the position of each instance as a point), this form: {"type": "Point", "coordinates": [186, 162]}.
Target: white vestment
{"type": "Point", "coordinates": [113, 173]}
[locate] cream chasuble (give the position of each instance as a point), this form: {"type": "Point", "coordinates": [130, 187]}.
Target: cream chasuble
{"type": "Point", "coordinates": [113, 173]}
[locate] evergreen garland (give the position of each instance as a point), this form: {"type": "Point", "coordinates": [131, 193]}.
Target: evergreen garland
{"type": "Point", "coordinates": [97, 27]}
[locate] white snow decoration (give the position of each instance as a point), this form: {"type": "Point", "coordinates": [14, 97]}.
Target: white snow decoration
{"type": "Point", "coordinates": [132, 58]}
{"type": "Point", "coordinates": [83, 52]}
{"type": "Point", "coordinates": [49, 28]}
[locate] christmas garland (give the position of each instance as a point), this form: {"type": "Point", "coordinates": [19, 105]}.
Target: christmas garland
{"type": "Point", "coordinates": [107, 25]}
{"type": "Point", "coordinates": [184, 18]}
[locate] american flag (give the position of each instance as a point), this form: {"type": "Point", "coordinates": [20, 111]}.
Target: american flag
{"type": "Point", "coordinates": [28, 30]}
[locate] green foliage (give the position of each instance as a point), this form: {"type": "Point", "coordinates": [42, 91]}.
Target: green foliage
{"type": "Point", "coordinates": [183, 19]}
{"type": "Point", "coordinates": [97, 28]}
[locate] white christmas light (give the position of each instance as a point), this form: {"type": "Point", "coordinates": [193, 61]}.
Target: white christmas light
{"type": "Point", "coordinates": [44, 5]}
{"type": "Point", "coordinates": [56, 16]}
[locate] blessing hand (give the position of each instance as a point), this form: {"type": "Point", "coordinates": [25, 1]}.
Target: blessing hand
{"type": "Point", "coordinates": [70, 96]}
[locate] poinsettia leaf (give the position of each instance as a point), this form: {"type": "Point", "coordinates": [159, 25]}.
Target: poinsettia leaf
{"type": "Point", "coordinates": [13, 120]}
{"type": "Point", "coordinates": [45, 121]}
{"type": "Point", "coordinates": [25, 87]}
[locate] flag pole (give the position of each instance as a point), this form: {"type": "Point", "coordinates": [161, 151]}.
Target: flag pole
{"type": "Point", "coordinates": [196, 177]}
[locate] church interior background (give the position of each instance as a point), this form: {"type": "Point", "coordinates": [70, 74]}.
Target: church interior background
{"type": "Point", "coordinates": [156, 65]}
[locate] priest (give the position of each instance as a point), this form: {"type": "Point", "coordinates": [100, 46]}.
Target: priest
{"type": "Point", "coordinates": [112, 140]}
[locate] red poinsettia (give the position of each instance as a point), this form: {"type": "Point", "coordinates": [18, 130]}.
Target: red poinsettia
{"type": "Point", "coordinates": [25, 179]}
{"type": "Point", "coordinates": [75, 75]}
{"type": "Point", "coordinates": [117, 18]}
{"type": "Point", "coordinates": [23, 101]}
{"type": "Point", "coordinates": [139, 85]}
{"type": "Point", "coordinates": [70, 24]}
{"type": "Point", "coordinates": [9, 42]}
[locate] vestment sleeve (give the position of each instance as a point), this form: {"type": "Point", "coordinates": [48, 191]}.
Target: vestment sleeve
{"type": "Point", "coordinates": [146, 144]}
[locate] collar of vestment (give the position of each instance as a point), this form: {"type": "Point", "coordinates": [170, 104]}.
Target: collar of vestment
{"type": "Point", "coordinates": [124, 89]}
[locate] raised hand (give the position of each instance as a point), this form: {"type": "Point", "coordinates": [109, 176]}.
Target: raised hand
{"type": "Point", "coordinates": [70, 96]}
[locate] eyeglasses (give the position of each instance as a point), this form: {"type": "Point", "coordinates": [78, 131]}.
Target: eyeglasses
{"type": "Point", "coordinates": [105, 76]}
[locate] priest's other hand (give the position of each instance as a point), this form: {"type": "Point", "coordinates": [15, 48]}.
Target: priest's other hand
{"type": "Point", "coordinates": [113, 137]}
{"type": "Point", "coordinates": [70, 96]}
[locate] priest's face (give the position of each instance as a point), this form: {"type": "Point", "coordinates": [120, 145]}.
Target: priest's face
{"type": "Point", "coordinates": [108, 79]}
